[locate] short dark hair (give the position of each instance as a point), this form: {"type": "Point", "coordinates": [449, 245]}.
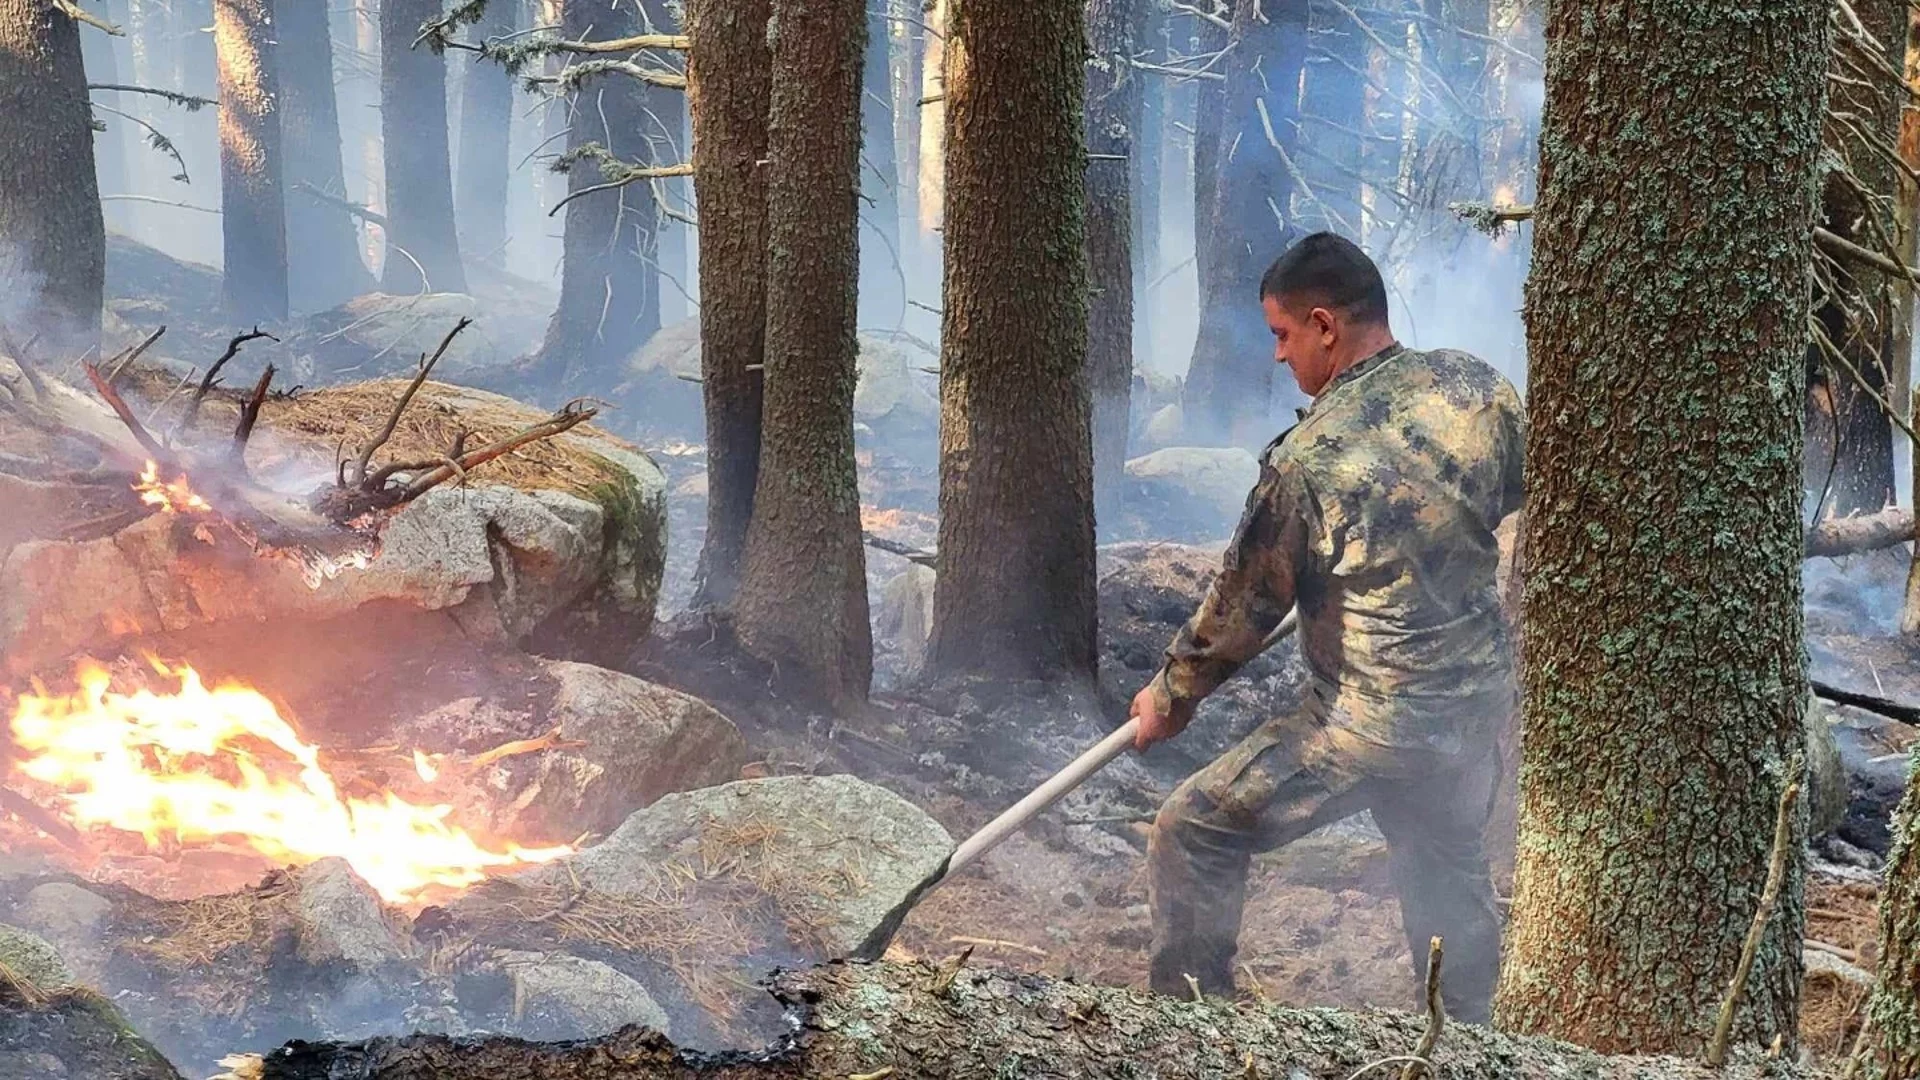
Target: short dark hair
{"type": "Point", "coordinates": [1329, 271]}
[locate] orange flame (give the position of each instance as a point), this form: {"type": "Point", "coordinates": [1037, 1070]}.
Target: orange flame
{"type": "Point", "coordinates": [172, 498]}
{"type": "Point", "coordinates": [203, 764]}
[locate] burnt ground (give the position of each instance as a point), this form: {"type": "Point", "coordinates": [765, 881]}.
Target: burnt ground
{"type": "Point", "coordinates": [1068, 896]}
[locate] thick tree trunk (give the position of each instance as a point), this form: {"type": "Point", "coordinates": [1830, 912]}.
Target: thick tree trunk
{"type": "Point", "coordinates": [883, 299]}
{"type": "Point", "coordinates": [1333, 115]}
{"type": "Point", "coordinates": [1145, 175]}
{"type": "Point", "coordinates": [609, 286]}
{"type": "Point", "coordinates": [1893, 1013]}
{"type": "Point", "coordinates": [906, 123]}
{"type": "Point", "coordinates": [1209, 115]}
{"type": "Point", "coordinates": [253, 218]}
{"type": "Point", "coordinates": [413, 134]}
{"type": "Point", "coordinates": [931, 149]}
{"type": "Point", "coordinates": [802, 602]}
{"type": "Point", "coordinates": [56, 250]}
{"type": "Point", "coordinates": [1113, 115]}
{"type": "Point", "coordinates": [323, 249]}
{"type": "Point", "coordinates": [886, 1020]}
{"type": "Point", "coordinates": [1016, 589]}
{"type": "Point", "coordinates": [729, 86]}
{"type": "Point", "coordinates": [1229, 387]}
{"type": "Point", "coordinates": [1667, 689]}
{"type": "Point", "coordinates": [486, 112]}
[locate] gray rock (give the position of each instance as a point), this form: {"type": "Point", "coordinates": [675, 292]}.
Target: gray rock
{"type": "Point", "coordinates": [1164, 428]}
{"type": "Point", "coordinates": [848, 850]}
{"type": "Point", "coordinates": [69, 917]}
{"type": "Point", "coordinates": [642, 740]}
{"type": "Point", "coordinates": [1826, 776]}
{"type": "Point", "coordinates": [1818, 962]}
{"type": "Point", "coordinates": [340, 919]}
{"type": "Point", "coordinates": [29, 957]}
{"type": "Point", "coordinates": [905, 616]}
{"type": "Point", "coordinates": [566, 997]}
{"type": "Point", "coordinates": [380, 334]}
{"type": "Point", "coordinates": [1206, 479]}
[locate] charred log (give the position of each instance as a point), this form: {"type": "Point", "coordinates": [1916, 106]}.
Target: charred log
{"type": "Point", "coordinates": [903, 1021]}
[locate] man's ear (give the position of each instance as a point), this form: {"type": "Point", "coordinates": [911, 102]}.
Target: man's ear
{"type": "Point", "coordinates": [1322, 320]}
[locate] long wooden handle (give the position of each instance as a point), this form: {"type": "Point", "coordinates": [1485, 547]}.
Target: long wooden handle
{"type": "Point", "coordinates": [1043, 796]}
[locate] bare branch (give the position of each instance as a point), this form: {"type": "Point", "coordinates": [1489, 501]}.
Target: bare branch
{"type": "Point", "coordinates": [1776, 871]}
{"type": "Point", "coordinates": [374, 217]}
{"type": "Point", "coordinates": [571, 78]}
{"type": "Point", "coordinates": [119, 405]}
{"type": "Point", "coordinates": [186, 101]}
{"type": "Point", "coordinates": [1205, 16]}
{"type": "Point", "coordinates": [393, 420]}
{"type": "Point", "coordinates": [73, 11]}
{"type": "Point", "coordinates": [125, 358]}
{"type": "Point", "coordinates": [207, 382]}
{"type": "Point", "coordinates": [158, 202]}
{"type": "Point", "coordinates": [566, 419]}
{"type": "Point", "coordinates": [249, 416]}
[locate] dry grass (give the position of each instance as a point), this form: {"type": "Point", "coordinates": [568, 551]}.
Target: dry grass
{"type": "Point", "coordinates": [195, 933]}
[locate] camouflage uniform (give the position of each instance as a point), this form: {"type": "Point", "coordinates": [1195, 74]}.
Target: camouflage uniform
{"type": "Point", "coordinates": [1375, 516]}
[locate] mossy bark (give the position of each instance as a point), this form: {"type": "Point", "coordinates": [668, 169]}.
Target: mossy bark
{"type": "Point", "coordinates": [884, 1020]}
{"type": "Point", "coordinates": [1663, 696]}
{"type": "Point", "coordinates": [802, 602]}
{"type": "Point", "coordinates": [1230, 381]}
{"type": "Point", "coordinates": [419, 167]}
{"type": "Point", "coordinates": [324, 266]}
{"type": "Point", "coordinates": [609, 287]}
{"type": "Point", "coordinates": [1113, 117]}
{"type": "Point", "coordinates": [1894, 1010]}
{"type": "Point", "coordinates": [729, 86]}
{"type": "Point", "coordinates": [56, 250]}
{"type": "Point", "coordinates": [1016, 590]}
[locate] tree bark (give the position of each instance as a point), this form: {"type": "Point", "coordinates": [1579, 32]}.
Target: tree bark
{"type": "Point", "coordinates": [729, 87]}
{"type": "Point", "coordinates": [1893, 1013]}
{"type": "Point", "coordinates": [486, 111]}
{"type": "Point", "coordinates": [609, 287]}
{"type": "Point", "coordinates": [886, 1019]}
{"type": "Point", "coordinates": [1668, 688]}
{"type": "Point", "coordinates": [667, 132]}
{"type": "Point", "coordinates": [906, 125]}
{"type": "Point", "coordinates": [933, 124]}
{"type": "Point", "coordinates": [324, 266]}
{"type": "Point", "coordinates": [1209, 114]}
{"type": "Point", "coordinates": [1229, 387]}
{"type": "Point", "coordinates": [1113, 115]}
{"type": "Point", "coordinates": [802, 602]}
{"type": "Point", "coordinates": [1016, 589]}
{"type": "Point", "coordinates": [413, 134]}
{"type": "Point", "coordinates": [253, 217]}
{"type": "Point", "coordinates": [883, 299]}
{"type": "Point", "coordinates": [1907, 219]}
{"type": "Point", "coordinates": [1146, 175]}
{"type": "Point", "coordinates": [56, 250]}
{"type": "Point", "coordinates": [1332, 116]}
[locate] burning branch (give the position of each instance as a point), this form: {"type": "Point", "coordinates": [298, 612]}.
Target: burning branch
{"type": "Point", "coordinates": [141, 435]}
{"type": "Point", "coordinates": [250, 415]}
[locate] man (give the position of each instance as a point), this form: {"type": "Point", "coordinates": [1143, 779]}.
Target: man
{"type": "Point", "coordinates": [1375, 516]}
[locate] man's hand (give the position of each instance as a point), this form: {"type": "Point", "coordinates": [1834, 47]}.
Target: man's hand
{"type": "Point", "coordinates": [1158, 723]}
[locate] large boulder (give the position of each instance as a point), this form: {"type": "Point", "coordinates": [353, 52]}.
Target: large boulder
{"type": "Point", "coordinates": [563, 541]}
{"type": "Point", "coordinates": [566, 997]}
{"type": "Point", "coordinates": [50, 1030]}
{"type": "Point", "coordinates": [1192, 492]}
{"type": "Point", "coordinates": [379, 334]}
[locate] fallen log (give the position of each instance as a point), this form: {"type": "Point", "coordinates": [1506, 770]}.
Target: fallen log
{"type": "Point", "coordinates": [1864, 532]}
{"type": "Point", "coordinates": [902, 1021]}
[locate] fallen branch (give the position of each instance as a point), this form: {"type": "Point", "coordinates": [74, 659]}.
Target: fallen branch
{"type": "Point", "coordinates": [1769, 895]}
{"type": "Point", "coordinates": [207, 382]}
{"type": "Point", "coordinates": [371, 217]}
{"type": "Point", "coordinates": [1841, 247]}
{"type": "Point", "coordinates": [186, 101]}
{"type": "Point", "coordinates": [1862, 532]}
{"type": "Point", "coordinates": [565, 420]}
{"type": "Point", "coordinates": [124, 359]}
{"type": "Point", "coordinates": [1892, 710]}
{"type": "Point", "coordinates": [552, 740]}
{"type": "Point", "coordinates": [30, 812]}
{"type": "Point", "coordinates": [895, 547]}
{"type": "Point", "coordinates": [999, 943]}
{"type": "Point", "coordinates": [119, 405]}
{"type": "Point", "coordinates": [393, 419]}
{"type": "Point", "coordinates": [249, 416]}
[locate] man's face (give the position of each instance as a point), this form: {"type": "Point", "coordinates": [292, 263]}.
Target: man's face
{"type": "Point", "coordinates": [1303, 339]}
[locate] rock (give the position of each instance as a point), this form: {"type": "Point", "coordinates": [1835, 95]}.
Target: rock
{"type": "Point", "coordinates": [1200, 490]}
{"type": "Point", "coordinates": [26, 956]}
{"type": "Point", "coordinates": [379, 335]}
{"type": "Point", "coordinates": [1872, 756]}
{"type": "Point", "coordinates": [643, 741]}
{"type": "Point", "coordinates": [566, 997]}
{"type": "Point", "coordinates": [845, 851]}
{"type": "Point", "coordinates": [1827, 794]}
{"type": "Point", "coordinates": [905, 617]}
{"type": "Point", "coordinates": [1821, 963]}
{"type": "Point", "coordinates": [69, 917]}
{"type": "Point", "coordinates": [338, 919]}
{"type": "Point", "coordinates": [56, 1033]}
{"type": "Point", "coordinates": [1163, 429]}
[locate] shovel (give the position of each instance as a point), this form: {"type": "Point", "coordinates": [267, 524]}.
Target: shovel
{"type": "Point", "coordinates": [1014, 817]}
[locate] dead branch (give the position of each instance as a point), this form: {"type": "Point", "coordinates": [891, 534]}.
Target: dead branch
{"type": "Point", "coordinates": [1776, 872]}
{"type": "Point", "coordinates": [119, 405]}
{"type": "Point", "coordinates": [1892, 710]}
{"type": "Point", "coordinates": [571, 78]}
{"type": "Point", "coordinates": [372, 217]}
{"type": "Point", "coordinates": [250, 415]}
{"type": "Point", "coordinates": [207, 382]}
{"type": "Point", "coordinates": [124, 359]}
{"type": "Point", "coordinates": [620, 175]}
{"type": "Point", "coordinates": [894, 547]}
{"type": "Point", "coordinates": [1213, 17]}
{"type": "Point", "coordinates": [1436, 1018]}
{"type": "Point", "coordinates": [73, 11]}
{"type": "Point", "coordinates": [568, 418]}
{"type": "Point", "coordinates": [1841, 247]}
{"type": "Point", "coordinates": [670, 42]}
{"type": "Point", "coordinates": [1490, 218]}
{"type": "Point", "coordinates": [393, 420]}
{"type": "Point", "coordinates": [1862, 532]}
{"type": "Point", "coordinates": [186, 101]}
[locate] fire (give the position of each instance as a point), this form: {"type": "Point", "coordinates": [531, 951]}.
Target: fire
{"type": "Point", "coordinates": [872, 519]}
{"type": "Point", "coordinates": [1503, 195]}
{"type": "Point", "coordinates": [200, 765]}
{"type": "Point", "coordinates": [173, 498]}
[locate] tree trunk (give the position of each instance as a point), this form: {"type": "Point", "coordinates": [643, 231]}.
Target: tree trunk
{"type": "Point", "coordinates": [884, 1019]}
{"type": "Point", "coordinates": [728, 89]}
{"type": "Point", "coordinates": [1145, 175]}
{"type": "Point", "coordinates": [1332, 116]}
{"type": "Point", "coordinates": [609, 287]}
{"type": "Point", "coordinates": [486, 112]}
{"type": "Point", "coordinates": [883, 299]}
{"type": "Point", "coordinates": [666, 133]}
{"type": "Point", "coordinates": [324, 266]}
{"type": "Point", "coordinates": [933, 123]}
{"type": "Point", "coordinates": [1849, 461]}
{"type": "Point", "coordinates": [1016, 589]}
{"type": "Point", "coordinates": [413, 134]}
{"type": "Point", "coordinates": [1893, 1012]}
{"type": "Point", "coordinates": [1667, 689]}
{"type": "Point", "coordinates": [109, 145]}
{"type": "Point", "coordinates": [1229, 387]}
{"type": "Point", "coordinates": [50, 203]}
{"type": "Point", "coordinates": [906, 124]}
{"type": "Point", "coordinates": [802, 602]}
{"type": "Point", "coordinates": [253, 219]}
{"type": "Point", "coordinates": [1209, 113]}
{"type": "Point", "coordinates": [1113, 115]}
{"type": "Point", "coordinates": [1907, 218]}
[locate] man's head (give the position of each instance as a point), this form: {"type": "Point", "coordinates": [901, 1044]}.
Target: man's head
{"type": "Point", "coordinates": [1327, 308]}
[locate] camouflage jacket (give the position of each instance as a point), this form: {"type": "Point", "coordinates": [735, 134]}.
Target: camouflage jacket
{"type": "Point", "coordinates": [1375, 515]}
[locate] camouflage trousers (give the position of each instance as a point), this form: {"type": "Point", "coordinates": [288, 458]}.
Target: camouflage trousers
{"type": "Point", "coordinates": [1284, 781]}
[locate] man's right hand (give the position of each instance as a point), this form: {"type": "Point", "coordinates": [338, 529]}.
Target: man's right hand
{"type": "Point", "coordinates": [1157, 723]}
